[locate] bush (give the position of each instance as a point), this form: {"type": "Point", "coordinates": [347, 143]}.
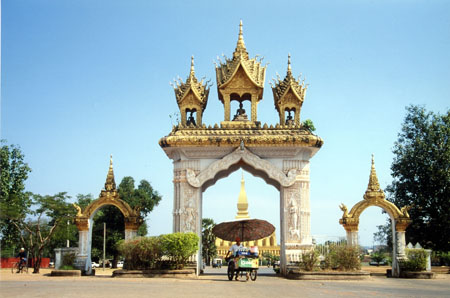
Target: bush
{"type": "Point", "coordinates": [179, 247]}
{"type": "Point", "coordinates": [162, 252]}
{"type": "Point", "coordinates": [417, 260]}
{"type": "Point", "coordinates": [309, 260]}
{"type": "Point", "coordinates": [378, 257]}
{"type": "Point", "coordinates": [342, 257]}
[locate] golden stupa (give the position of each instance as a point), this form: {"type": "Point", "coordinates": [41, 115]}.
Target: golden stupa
{"type": "Point", "coordinates": [265, 245]}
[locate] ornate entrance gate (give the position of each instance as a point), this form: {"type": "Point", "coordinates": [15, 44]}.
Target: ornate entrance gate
{"type": "Point", "coordinates": [278, 154]}
{"type": "Point", "coordinates": [400, 220]}
{"type": "Point", "coordinates": [84, 220]}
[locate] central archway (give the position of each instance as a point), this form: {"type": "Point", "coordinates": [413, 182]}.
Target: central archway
{"type": "Point", "coordinates": [279, 154]}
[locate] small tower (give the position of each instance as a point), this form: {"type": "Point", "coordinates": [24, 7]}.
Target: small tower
{"type": "Point", "coordinates": [288, 95]}
{"type": "Point", "coordinates": [192, 97]}
{"type": "Point", "coordinates": [240, 78]}
{"type": "Point", "coordinates": [242, 204]}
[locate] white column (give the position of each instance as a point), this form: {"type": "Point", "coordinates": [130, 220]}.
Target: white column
{"type": "Point", "coordinates": [130, 234]}
{"type": "Point", "coordinates": [352, 237]}
{"type": "Point", "coordinates": [283, 261]}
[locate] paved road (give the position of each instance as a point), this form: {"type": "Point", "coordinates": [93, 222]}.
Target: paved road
{"type": "Point", "coordinates": [215, 284]}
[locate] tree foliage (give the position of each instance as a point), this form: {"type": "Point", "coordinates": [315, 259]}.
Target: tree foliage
{"type": "Point", "coordinates": [209, 249]}
{"type": "Point", "coordinates": [421, 171]}
{"type": "Point", "coordinates": [13, 197]}
{"type": "Point", "coordinates": [43, 216]}
{"type": "Point", "coordinates": [384, 235]}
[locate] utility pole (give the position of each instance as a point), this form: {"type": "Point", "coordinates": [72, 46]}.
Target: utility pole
{"type": "Point", "coordinates": [104, 244]}
{"type": "Point", "coordinates": [68, 243]}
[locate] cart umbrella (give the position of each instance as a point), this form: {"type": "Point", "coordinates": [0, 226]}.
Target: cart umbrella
{"type": "Point", "coordinates": [245, 229]}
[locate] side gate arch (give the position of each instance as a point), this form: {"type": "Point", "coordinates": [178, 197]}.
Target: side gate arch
{"type": "Point", "coordinates": [84, 220]}
{"type": "Point", "coordinates": [374, 196]}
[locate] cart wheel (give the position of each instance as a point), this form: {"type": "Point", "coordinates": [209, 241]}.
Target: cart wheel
{"type": "Point", "coordinates": [253, 274]}
{"type": "Point", "coordinates": [230, 272]}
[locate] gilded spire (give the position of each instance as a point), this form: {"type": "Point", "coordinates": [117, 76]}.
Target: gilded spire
{"type": "Point", "coordinates": [242, 204]}
{"type": "Point", "coordinates": [289, 70]}
{"type": "Point", "coordinates": [240, 51]}
{"type": "Point", "coordinates": [373, 188]}
{"type": "Point", "coordinates": [110, 184]}
{"type": "Point", "coordinates": [192, 73]}
{"type": "Point", "coordinates": [373, 179]}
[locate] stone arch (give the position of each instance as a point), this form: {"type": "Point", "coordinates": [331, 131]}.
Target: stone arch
{"type": "Point", "coordinates": [375, 196]}
{"type": "Point", "coordinates": [241, 157]}
{"type": "Point", "coordinates": [84, 220]}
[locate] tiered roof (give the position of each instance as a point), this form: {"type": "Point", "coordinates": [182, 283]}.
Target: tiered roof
{"type": "Point", "coordinates": [200, 89]}
{"type": "Point", "coordinates": [225, 71]}
{"type": "Point", "coordinates": [281, 87]}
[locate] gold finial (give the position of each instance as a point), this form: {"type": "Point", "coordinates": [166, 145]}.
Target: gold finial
{"type": "Point", "coordinates": [240, 47]}
{"type": "Point", "coordinates": [289, 70]}
{"type": "Point", "coordinates": [242, 204]}
{"type": "Point", "coordinates": [110, 184]}
{"type": "Point", "coordinates": [373, 179]}
{"type": "Point", "coordinates": [192, 65]}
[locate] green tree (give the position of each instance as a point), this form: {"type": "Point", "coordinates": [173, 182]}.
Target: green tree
{"type": "Point", "coordinates": [421, 172]}
{"type": "Point", "coordinates": [13, 174]}
{"type": "Point", "coordinates": [144, 196]}
{"type": "Point", "coordinates": [308, 124]}
{"type": "Point", "coordinates": [377, 257]}
{"type": "Point", "coordinates": [384, 235]}
{"type": "Point", "coordinates": [209, 249]}
{"type": "Point", "coordinates": [44, 215]}
{"type": "Point", "coordinates": [67, 230]}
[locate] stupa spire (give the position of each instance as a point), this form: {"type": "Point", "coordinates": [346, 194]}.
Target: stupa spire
{"type": "Point", "coordinates": [289, 69]}
{"type": "Point", "coordinates": [373, 179]}
{"type": "Point", "coordinates": [241, 50]}
{"type": "Point", "coordinates": [242, 204]}
{"type": "Point", "coordinates": [192, 72]}
{"type": "Point", "coordinates": [374, 190]}
{"type": "Point", "coordinates": [110, 183]}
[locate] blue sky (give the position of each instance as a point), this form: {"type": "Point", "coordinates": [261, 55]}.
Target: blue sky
{"type": "Point", "coordinates": [85, 79]}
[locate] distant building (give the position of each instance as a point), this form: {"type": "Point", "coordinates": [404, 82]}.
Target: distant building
{"type": "Point", "coordinates": [268, 244]}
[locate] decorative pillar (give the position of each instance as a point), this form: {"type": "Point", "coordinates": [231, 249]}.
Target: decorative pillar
{"type": "Point", "coordinates": [297, 116]}
{"type": "Point", "coordinates": [352, 234]}
{"type": "Point", "coordinates": [83, 242]}
{"type": "Point", "coordinates": [399, 230]}
{"type": "Point", "coordinates": [183, 116]}
{"type": "Point", "coordinates": [282, 116]}
{"type": "Point", "coordinates": [131, 227]}
{"type": "Point", "coordinates": [227, 107]}
{"type": "Point", "coordinates": [254, 107]}
{"type": "Point", "coordinates": [187, 213]}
